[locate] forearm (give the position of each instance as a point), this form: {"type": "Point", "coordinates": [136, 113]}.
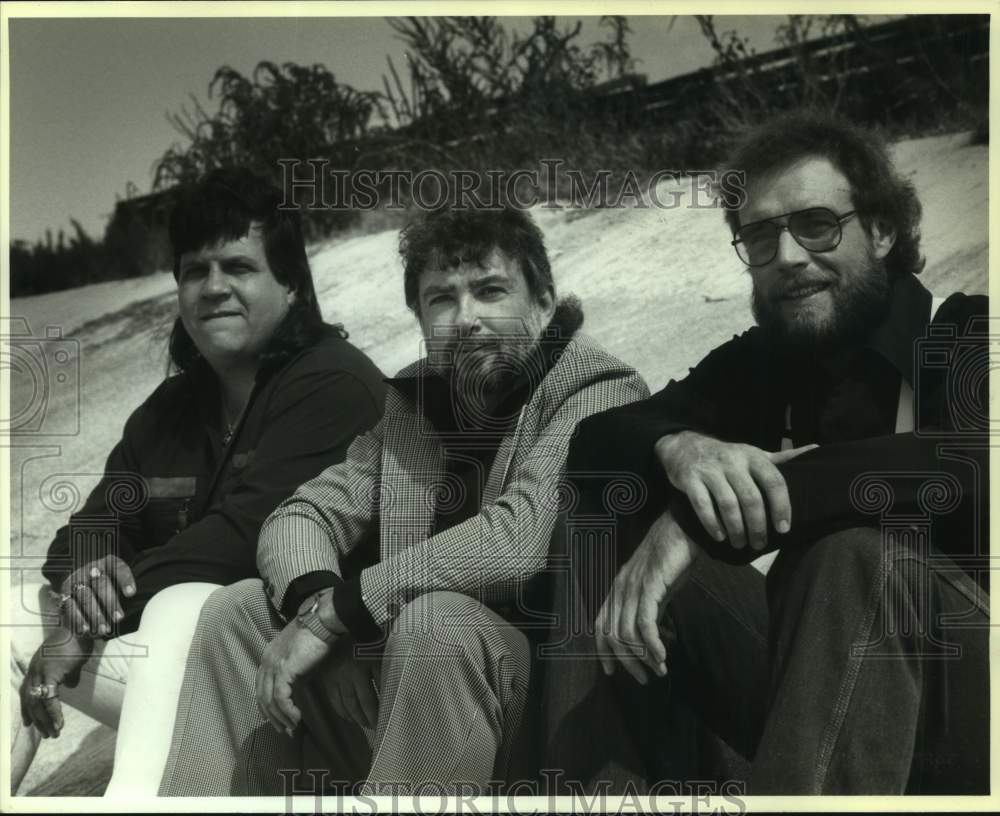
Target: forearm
{"type": "Point", "coordinates": [855, 484]}
{"type": "Point", "coordinates": [293, 553]}
{"type": "Point", "coordinates": [323, 521]}
{"type": "Point", "coordinates": [490, 557]}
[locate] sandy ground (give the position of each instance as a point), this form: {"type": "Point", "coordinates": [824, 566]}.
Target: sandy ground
{"type": "Point", "coordinates": [660, 288]}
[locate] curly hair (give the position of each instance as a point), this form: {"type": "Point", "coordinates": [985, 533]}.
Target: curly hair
{"type": "Point", "coordinates": [223, 206]}
{"type": "Point", "coordinates": [447, 237]}
{"type": "Point", "coordinates": [879, 192]}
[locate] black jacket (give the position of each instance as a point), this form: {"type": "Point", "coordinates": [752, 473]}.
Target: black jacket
{"type": "Point", "coordinates": [179, 506]}
{"type": "Point", "coordinates": [739, 392]}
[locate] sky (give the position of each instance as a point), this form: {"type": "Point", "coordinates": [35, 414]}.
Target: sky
{"type": "Point", "coordinates": [89, 97]}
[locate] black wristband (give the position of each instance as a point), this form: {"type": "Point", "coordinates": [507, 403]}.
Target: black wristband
{"type": "Point", "coordinates": [304, 586]}
{"type": "Point", "coordinates": [353, 613]}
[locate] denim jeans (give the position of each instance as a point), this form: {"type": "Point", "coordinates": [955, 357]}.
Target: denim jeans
{"type": "Point", "coordinates": [857, 666]}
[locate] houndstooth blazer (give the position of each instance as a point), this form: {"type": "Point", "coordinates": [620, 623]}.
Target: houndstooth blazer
{"type": "Point", "coordinates": [394, 476]}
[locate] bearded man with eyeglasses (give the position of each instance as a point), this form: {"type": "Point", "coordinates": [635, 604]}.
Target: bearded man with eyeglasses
{"type": "Point", "coordinates": [846, 432]}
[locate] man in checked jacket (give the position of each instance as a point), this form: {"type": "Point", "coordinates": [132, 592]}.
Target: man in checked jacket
{"type": "Point", "coordinates": [384, 627]}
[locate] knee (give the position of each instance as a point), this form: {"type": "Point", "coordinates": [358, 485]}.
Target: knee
{"type": "Point", "coordinates": [444, 624]}
{"type": "Point", "coordinates": [855, 549]}
{"type": "Point", "coordinates": [435, 619]}
{"type": "Point", "coordinates": [177, 606]}
{"type": "Point", "coordinates": [469, 642]}
{"type": "Point", "coordinates": [835, 566]}
{"type": "Point", "coordinates": [226, 610]}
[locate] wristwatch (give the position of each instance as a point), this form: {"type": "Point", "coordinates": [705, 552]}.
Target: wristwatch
{"type": "Point", "coordinates": [309, 618]}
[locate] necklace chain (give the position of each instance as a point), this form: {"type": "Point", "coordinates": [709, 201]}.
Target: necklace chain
{"type": "Point", "coordinates": [230, 424]}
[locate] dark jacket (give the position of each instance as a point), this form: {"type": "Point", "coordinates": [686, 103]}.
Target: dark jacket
{"type": "Point", "coordinates": [861, 472]}
{"type": "Point", "coordinates": [847, 404]}
{"type": "Point", "coordinates": [178, 506]}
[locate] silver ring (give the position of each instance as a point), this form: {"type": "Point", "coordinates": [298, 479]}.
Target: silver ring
{"type": "Point", "coordinates": [44, 692]}
{"type": "Point", "coordinates": [95, 573]}
{"type": "Point", "coordinates": [64, 598]}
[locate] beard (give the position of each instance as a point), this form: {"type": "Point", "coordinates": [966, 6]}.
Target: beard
{"type": "Point", "coordinates": [485, 370]}
{"type": "Point", "coordinates": [860, 304]}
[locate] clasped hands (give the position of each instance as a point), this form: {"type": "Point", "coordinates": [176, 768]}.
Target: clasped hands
{"type": "Point", "coordinates": [731, 488]}
{"type": "Point", "coordinates": [349, 682]}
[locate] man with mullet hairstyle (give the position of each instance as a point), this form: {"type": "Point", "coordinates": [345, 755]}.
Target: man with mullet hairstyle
{"type": "Point", "coordinates": [262, 396]}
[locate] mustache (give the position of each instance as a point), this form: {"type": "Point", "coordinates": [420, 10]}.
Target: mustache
{"type": "Point", "coordinates": [801, 282]}
{"type": "Point", "coordinates": [465, 346]}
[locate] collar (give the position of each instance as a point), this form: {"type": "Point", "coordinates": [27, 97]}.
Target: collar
{"type": "Point", "coordinates": [205, 386]}
{"type": "Point", "coordinates": [208, 391]}
{"type": "Point", "coordinates": [909, 314]}
{"type": "Point", "coordinates": [892, 340]}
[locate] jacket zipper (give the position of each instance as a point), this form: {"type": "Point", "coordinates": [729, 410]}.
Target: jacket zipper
{"type": "Point", "coordinates": [182, 516]}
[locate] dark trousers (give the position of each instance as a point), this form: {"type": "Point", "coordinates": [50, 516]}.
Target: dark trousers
{"type": "Point", "coordinates": [857, 666]}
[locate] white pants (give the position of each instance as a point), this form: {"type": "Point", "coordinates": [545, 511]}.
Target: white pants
{"type": "Point", "coordinates": [130, 683]}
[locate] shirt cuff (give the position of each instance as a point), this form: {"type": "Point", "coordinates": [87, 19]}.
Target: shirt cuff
{"type": "Point", "coordinates": [304, 586]}
{"type": "Point", "coordinates": [350, 606]}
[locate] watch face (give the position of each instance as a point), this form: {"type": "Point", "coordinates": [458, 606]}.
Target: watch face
{"type": "Point", "coordinates": [308, 605]}
{"type": "Point", "coordinates": [310, 620]}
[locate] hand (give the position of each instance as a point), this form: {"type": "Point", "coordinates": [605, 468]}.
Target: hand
{"type": "Point", "coordinates": [91, 595]}
{"type": "Point", "coordinates": [351, 684]}
{"type": "Point", "coordinates": [626, 627]}
{"type": "Point", "coordinates": [292, 654]}
{"type": "Point", "coordinates": [57, 662]}
{"type": "Point", "coordinates": [732, 475]}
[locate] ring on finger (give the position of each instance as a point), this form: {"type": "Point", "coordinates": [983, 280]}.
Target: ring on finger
{"type": "Point", "coordinates": [44, 691]}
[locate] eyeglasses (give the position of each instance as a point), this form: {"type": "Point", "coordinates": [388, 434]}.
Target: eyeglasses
{"type": "Point", "coordinates": [816, 229]}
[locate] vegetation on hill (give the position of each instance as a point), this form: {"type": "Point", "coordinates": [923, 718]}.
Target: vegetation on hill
{"type": "Point", "coordinates": [480, 96]}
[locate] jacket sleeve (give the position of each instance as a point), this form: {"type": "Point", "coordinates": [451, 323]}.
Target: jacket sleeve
{"type": "Point", "coordinates": [311, 419]}
{"type": "Point", "coordinates": [323, 520]}
{"type": "Point", "coordinates": [856, 484]}
{"type": "Point", "coordinates": [106, 523]}
{"type": "Point", "coordinates": [622, 439]}
{"type": "Point", "coordinates": [490, 555]}
{"type": "Point", "coordinates": [940, 474]}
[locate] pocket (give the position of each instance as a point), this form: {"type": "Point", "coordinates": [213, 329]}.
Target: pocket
{"type": "Point", "coordinates": [167, 512]}
{"type": "Point", "coordinates": [241, 460]}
